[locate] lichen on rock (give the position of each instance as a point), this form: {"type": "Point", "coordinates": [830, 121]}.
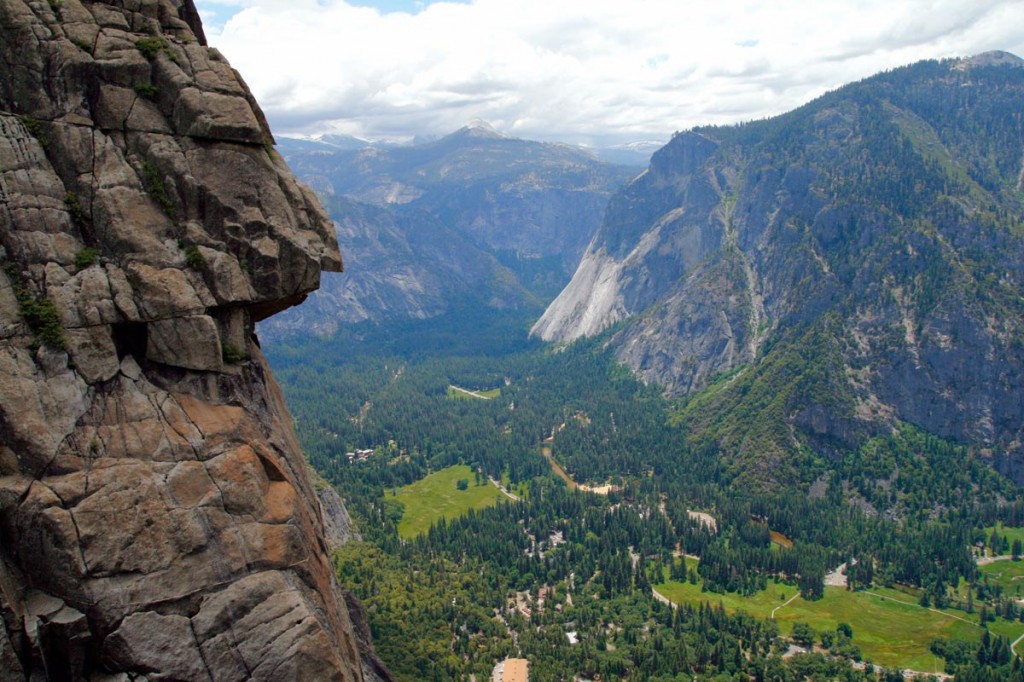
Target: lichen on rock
{"type": "Point", "coordinates": [156, 516]}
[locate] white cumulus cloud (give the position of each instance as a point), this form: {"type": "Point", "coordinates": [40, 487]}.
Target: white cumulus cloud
{"type": "Point", "coordinates": [594, 71]}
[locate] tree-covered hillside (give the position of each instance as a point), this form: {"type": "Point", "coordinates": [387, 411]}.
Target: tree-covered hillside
{"type": "Point", "coordinates": [853, 264]}
{"type": "Point", "coordinates": [515, 578]}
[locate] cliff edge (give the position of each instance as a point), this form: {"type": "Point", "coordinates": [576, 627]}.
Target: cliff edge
{"type": "Point", "coordinates": [156, 517]}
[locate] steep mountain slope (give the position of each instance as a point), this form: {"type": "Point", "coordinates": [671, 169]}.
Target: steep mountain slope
{"type": "Point", "coordinates": [400, 266]}
{"type": "Point", "coordinates": [530, 198]}
{"type": "Point", "coordinates": [473, 216]}
{"type": "Point", "coordinates": [832, 271]}
{"type": "Point", "coordinates": [156, 516]}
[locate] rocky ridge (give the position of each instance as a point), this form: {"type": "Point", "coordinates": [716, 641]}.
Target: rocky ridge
{"type": "Point", "coordinates": [410, 267]}
{"type": "Point", "coordinates": [157, 520]}
{"type": "Point", "coordinates": [830, 272]}
{"type": "Point", "coordinates": [475, 218]}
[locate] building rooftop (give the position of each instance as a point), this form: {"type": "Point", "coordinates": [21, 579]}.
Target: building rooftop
{"type": "Point", "coordinates": [512, 670]}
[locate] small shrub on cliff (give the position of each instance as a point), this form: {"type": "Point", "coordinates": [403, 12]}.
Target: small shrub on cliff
{"type": "Point", "coordinates": [86, 257]}
{"type": "Point", "coordinates": [153, 181]}
{"type": "Point", "coordinates": [41, 315]}
{"type": "Point", "coordinates": [150, 47]}
{"type": "Point", "coordinates": [147, 90]}
{"type": "Point", "coordinates": [39, 312]}
{"type": "Point", "coordinates": [35, 129]}
{"type": "Point", "coordinates": [75, 209]}
{"type": "Point", "coordinates": [194, 258]}
{"type": "Point", "coordinates": [232, 354]}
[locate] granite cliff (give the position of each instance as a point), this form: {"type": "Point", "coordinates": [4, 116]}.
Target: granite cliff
{"type": "Point", "coordinates": [157, 520]}
{"type": "Point", "coordinates": [815, 278]}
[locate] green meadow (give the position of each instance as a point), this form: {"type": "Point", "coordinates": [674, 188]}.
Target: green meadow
{"type": "Point", "coordinates": [889, 626]}
{"type": "Point", "coordinates": [458, 393]}
{"type": "Point", "coordinates": [1007, 573]}
{"type": "Point", "coordinates": [1009, 533]}
{"type": "Point", "coordinates": [438, 495]}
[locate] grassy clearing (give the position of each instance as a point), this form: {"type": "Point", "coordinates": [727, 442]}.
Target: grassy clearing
{"type": "Point", "coordinates": [1008, 574]}
{"type": "Point", "coordinates": [1009, 533]}
{"type": "Point", "coordinates": [760, 604]}
{"type": "Point", "coordinates": [1010, 630]}
{"type": "Point", "coordinates": [888, 625]}
{"type": "Point", "coordinates": [522, 489]}
{"type": "Point", "coordinates": [437, 495]}
{"type": "Point", "coordinates": [459, 393]}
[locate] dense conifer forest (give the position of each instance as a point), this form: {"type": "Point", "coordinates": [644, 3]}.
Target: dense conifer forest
{"type": "Point", "coordinates": [866, 246]}
{"type": "Point", "coordinates": [564, 577]}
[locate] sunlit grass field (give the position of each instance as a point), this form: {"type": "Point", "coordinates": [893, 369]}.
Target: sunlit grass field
{"type": "Point", "coordinates": [437, 495]}
{"type": "Point", "coordinates": [889, 626]}
{"type": "Point", "coordinates": [457, 393]}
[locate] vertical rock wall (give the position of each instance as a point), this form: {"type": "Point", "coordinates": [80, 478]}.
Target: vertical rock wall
{"type": "Point", "coordinates": [156, 518]}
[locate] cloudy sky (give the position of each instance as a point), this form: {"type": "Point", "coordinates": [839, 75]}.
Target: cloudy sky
{"type": "Point", "coordinates": [593, 72]}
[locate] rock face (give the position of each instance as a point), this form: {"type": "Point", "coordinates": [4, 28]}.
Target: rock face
{"type": "Point", "coordinates": [156, 517]}
{"type": "Point", "coordinates": [627, 266]}
{"type": "Point", "coordinates": [472, 219]}
{"type": "Point", "coordinates": [529, 199]}
{"type": "Point", "coordinates": [410, 267]}
{"type": "Point", "coordinates": [851, 264]}
{"type": "Point", "coordinates": [339, 529]}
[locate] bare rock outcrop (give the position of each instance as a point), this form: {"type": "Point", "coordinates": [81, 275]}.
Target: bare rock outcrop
{"type": "Point", "coordinates": [156, 517]}
{"type": "Point", "coordinates": [339, 529]}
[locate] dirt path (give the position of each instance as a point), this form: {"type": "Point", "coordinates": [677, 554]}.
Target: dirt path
{"type": "Point", "coordinates": [663, 599]}
{"type": "Point", "coordinates": [557, 468]}
{"type": "Point", "coordinates": [908, 674]}
{"type": "Point", "coordinates": [985, 560]}
{"type": "Point", "coordinates": [1013, 647]}
{"type": "Point", "coordinates": [499, 486]}
{"type": "Point", "coordinates": [600, 489]}
{"type": "Point", "coordinates": [788, 602]}
{"type": "Point", "coordinates": [911, 603]}
{"type": "Point", "coordinates": [468, 392]}
{"type": "Point", "coordinates": [508, 628]}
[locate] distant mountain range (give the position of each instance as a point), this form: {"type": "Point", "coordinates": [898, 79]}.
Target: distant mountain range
{"type": "Point", "coordinates": [636, 153]}
{"type": "Point", "coordinates": [473, 218]}
{"type": "Point", "coordinates": [816, 278]}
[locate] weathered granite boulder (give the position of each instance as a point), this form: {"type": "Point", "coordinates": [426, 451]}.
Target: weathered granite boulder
{"type": "Point", "coordinates": [157, 520]}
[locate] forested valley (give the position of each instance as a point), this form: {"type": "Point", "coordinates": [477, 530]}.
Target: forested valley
{"type": "Point", "coordinates": [563, 576]}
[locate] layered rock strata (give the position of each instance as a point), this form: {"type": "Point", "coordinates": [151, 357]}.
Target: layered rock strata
{"type": "Point", "coordinates": [156, 517]}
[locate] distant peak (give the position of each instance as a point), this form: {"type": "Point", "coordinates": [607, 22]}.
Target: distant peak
{"type": "Point", "coordinates": [478, 127]}
{"type": "Point", "coordinates": [640, 145]}
{"type": "Point", "coordinates": [992, 58]}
